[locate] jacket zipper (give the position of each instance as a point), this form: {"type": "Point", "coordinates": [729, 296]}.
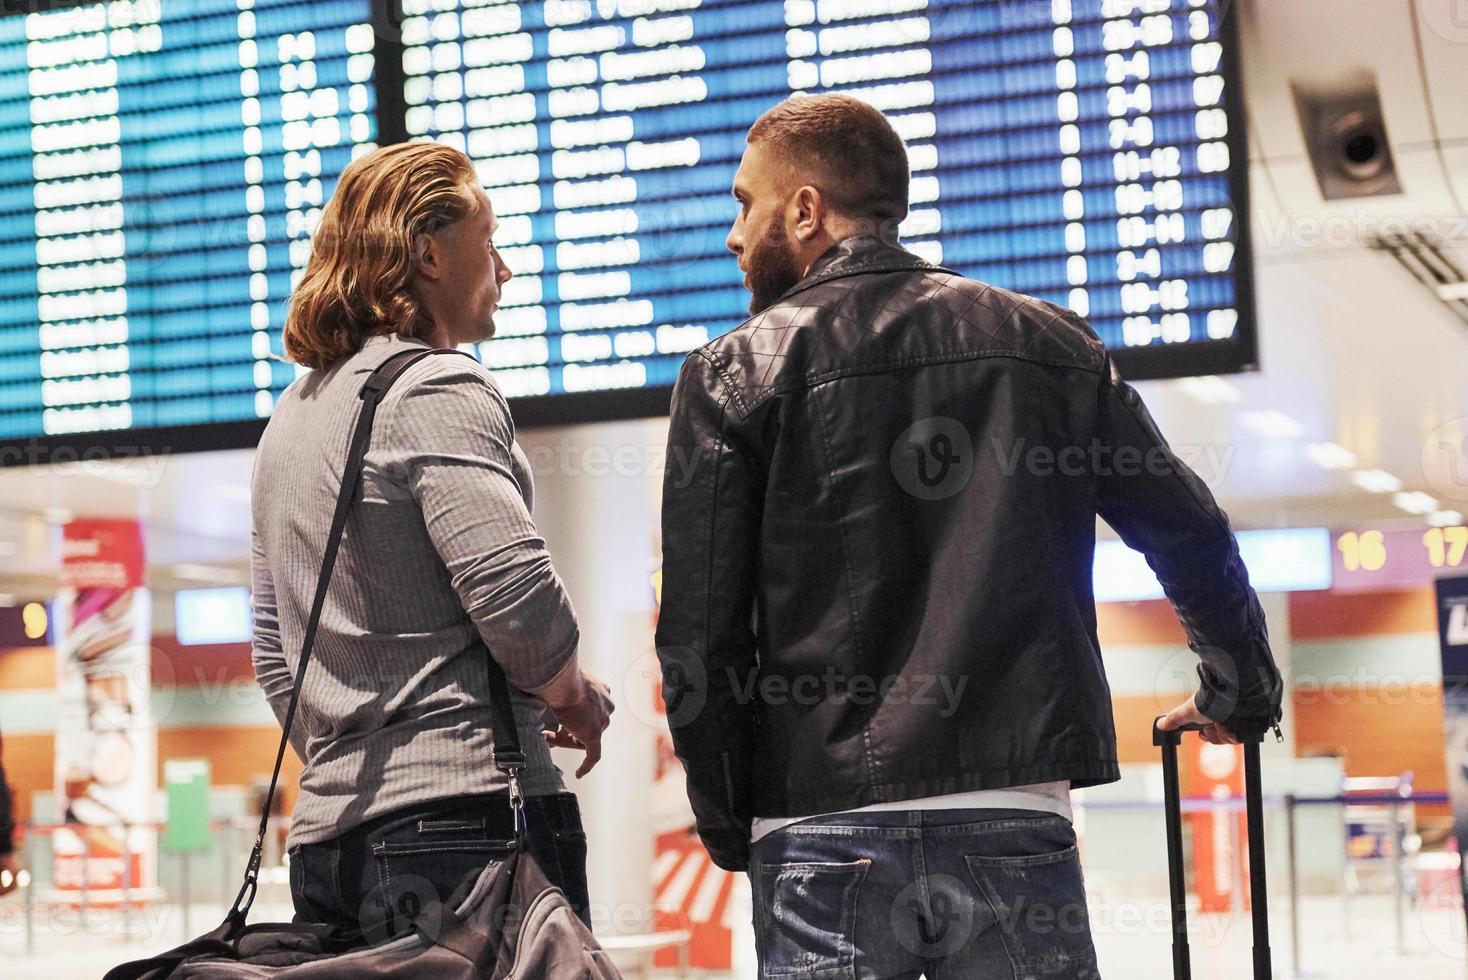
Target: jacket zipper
{"type": "Point", "coordinates": [728, 782]}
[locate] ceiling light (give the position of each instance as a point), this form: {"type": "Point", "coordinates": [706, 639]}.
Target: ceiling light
{"type": "Point", "coordinates": [1210, 389]}
{"type": "Point", "coordinates": [1450, 291]}
{"type": "Point", "coordinates": [1415, 502]}
{"type": "Point", "coordinates": [1272, 423]}
{"type": "Point", "coordinates": [1376, 481]}
{"type": "Point", "coordinates": [1330, 456]}
{"type": "Point", "coordinates": [1445, 518]}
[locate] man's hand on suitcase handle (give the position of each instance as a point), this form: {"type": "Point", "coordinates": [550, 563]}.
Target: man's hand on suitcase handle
{"type": "Point", "coordinates": [1187, 717]}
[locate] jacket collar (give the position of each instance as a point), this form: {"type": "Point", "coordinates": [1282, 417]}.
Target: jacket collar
{"type": "Point", "coordinates": [856, 255]}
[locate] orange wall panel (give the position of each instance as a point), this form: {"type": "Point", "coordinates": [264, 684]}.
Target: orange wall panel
{"type": "Point", "coordinates": [1327, 615]}
{"type": "Point", "coordinates": [1134, 716]}
{"type": "Point", "coordinates": [30, 764]}
{"type": "Point", "coordinates": [173, 665]}
{"type": "Point", "coordinates": [236, 755]}
{"type": "Point", "coordinates": [207, 665]}
{"type": "Point", "coordinates": [1138, 623]}
{"type": "Point", "coordinates": [27, 668]}
{"type": "Point", "coordinates": [1375, 737]}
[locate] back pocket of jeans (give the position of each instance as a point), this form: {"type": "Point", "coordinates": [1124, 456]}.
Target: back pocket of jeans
{"type": "Point", "coordinates": [806, 915]}
{"type": "Point", "coordinates": [414, 875]}
{"type": "Point", "coordinates": [1040, 903]}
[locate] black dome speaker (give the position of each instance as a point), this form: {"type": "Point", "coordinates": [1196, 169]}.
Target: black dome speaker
{"type": "Point", "coordinates": [1346, 137]}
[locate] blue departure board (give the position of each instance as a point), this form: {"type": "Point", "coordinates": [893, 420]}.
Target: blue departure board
{"type": "Point", "coordinates": [164, 162]}
{"type": "Point", "coordinates": [1077, 150]}
{"type": "Point", "coordinates": [162, 166]}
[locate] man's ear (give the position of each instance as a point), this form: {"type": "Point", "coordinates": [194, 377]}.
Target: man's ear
{"type": "Point", "coordinates": [808, 212]}
{"type": "Point", "coordinates": [427, 257]}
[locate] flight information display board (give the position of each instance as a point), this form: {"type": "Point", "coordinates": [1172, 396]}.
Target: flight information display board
{"type": "Point", "coordinates": [163, 163]}
{"type": "Point", "coordinates": [1077, 150]}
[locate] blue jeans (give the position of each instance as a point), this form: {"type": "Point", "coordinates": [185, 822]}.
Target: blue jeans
{"type": "Point", "coordinates": [373, 878]}
{"type": "Point", "coordinates": [948, 894]}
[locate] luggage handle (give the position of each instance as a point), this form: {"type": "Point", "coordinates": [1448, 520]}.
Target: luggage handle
{"type": "Point", "coordinates": [1168, 741]}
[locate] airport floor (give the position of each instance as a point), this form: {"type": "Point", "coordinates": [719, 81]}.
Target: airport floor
{"type": "Point", "coordinates": [1128, 942]}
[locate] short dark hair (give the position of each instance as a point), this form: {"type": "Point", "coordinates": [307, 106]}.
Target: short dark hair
{"type": "Point", "coordinates": [851, 151]}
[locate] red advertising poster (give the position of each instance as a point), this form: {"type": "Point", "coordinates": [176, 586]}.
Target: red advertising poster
{"type": "Point", "coordinates": [689, 890]}
{"type": "Point", "coordinates": [106, 738]}
{"type": "Point", "coordinates": [1218, 861]}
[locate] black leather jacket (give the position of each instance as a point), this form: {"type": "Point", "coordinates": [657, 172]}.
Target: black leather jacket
{"type": "Point", "coordinates": [879, 514]}
{"type": "Point", "coordinates": [7, 816]}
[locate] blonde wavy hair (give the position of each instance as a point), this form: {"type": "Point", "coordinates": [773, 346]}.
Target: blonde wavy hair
{"type": "Point", "coordinates": [358, 281]}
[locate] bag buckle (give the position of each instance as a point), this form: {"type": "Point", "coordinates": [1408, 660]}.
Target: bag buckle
{"type": "Point", "coordinates": [517, 800]}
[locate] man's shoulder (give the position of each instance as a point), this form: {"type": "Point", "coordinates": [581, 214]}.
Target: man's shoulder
{"type": "Point", "coordinates": [923, 313]}
{"type": "Point", "coordinates": [449, 374]}
{"type": "Point", "coordinates": [1024, 325]}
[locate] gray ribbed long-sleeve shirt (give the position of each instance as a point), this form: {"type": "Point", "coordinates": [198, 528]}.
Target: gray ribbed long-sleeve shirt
{"type": "Point", "coordinates": [439, 551]}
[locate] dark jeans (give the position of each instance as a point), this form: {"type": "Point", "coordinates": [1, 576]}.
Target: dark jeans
{"type": "Point", "coordinates": [969, 894]}
{"type": "Point", "coordinates": [376, 876]}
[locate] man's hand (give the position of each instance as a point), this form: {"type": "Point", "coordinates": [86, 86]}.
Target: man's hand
{"type": "Point", "coordinates": [1187, 713]}
{"type": "Point", "coordinates": [583, 709]}
{"type": "Point", "coordinates": [9, 872]}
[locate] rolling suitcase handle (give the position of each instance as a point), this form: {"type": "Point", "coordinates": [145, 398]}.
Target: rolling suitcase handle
{"type": "Point", "coordinates": [1254, 802]}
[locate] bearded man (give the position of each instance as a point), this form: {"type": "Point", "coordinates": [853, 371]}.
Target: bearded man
{"type": "Point", "coordinates": [878, 633]}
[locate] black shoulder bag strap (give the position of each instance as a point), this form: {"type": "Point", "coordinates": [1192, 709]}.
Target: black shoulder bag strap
{"type": "Point", "coordinates": [508, 756]}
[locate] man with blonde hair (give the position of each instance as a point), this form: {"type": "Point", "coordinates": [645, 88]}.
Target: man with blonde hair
{"type": "Point", "coordinates": [878, 634]}
{"type": "Point", "coordinates": [400, 797]}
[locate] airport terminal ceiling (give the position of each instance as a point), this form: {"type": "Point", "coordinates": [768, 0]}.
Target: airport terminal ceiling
{"type": "Point", "coordinates": [164, 163]}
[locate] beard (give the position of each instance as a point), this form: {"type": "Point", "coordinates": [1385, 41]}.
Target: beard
{"type": "Point", "coordinates": [773, 268]}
